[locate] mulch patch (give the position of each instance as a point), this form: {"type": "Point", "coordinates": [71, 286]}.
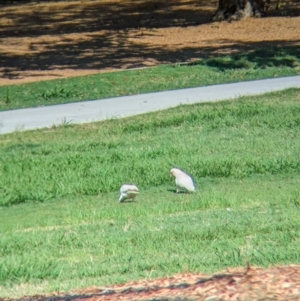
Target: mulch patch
{"type": "Point", "coordinates": [251, 283]}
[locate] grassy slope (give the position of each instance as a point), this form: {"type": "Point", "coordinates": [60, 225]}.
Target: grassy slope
{"type": "Point", "coordinates": [261, 63]}
{"type": "Point", "coordinates": [244, 155]}
{"type": "Point", "coordinates": [210, 140]}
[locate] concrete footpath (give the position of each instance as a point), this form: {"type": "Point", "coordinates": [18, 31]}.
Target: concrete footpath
{"type": "Point", "coordinates": [118, 107]}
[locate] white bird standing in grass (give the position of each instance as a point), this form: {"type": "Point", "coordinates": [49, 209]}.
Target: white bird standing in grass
{"type": "Point", "coordinates": [182, 180]}
{"type": "Point", "coordinates": [128, 192]}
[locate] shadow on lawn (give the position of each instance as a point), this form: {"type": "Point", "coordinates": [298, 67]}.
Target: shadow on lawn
{"type": "Point", "coordinates": [102, 35]}
{"type": "Point", "coordinates": [264, 56]}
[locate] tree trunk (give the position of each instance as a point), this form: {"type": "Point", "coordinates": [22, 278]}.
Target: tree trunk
{"type": "Point", "coordinates": [239, 9]}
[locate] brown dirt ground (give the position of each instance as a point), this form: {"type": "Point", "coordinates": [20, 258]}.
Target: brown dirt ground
{"type": "Point", "coordinates": [62, 39]}
{"type": "Point", "coordinates": [40, 41]}
{"type": "Point", "coordinates": [276, 283]}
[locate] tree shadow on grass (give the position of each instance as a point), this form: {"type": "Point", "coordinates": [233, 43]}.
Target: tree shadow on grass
{"type": "Point", "coordinates": [262, 57]}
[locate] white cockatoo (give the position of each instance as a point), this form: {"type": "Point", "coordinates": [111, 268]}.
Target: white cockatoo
{"type": "Point", "coordinates": [182, 180]}
{"type": "Point", "coordinates": [128, 192]}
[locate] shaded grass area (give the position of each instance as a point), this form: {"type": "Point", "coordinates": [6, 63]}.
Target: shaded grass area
{"type": "Point", "coordinates": [258, 64]}
{"type": "Point", "coordinates": [61, 226]}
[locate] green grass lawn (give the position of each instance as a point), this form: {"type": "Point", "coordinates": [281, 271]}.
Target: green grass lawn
{"type": "Point", "coordinates": [258, 64]}
{"type": "Point", "coordinates": [61, 226]}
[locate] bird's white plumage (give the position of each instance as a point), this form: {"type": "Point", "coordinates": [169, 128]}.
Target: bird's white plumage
{"type": "Point", "coordinates": [182, 180]}
{"type": "Point", "coordinates": [128, 192]}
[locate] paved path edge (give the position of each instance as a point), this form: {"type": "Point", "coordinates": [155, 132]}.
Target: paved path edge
{"type": "Point", "coordinates": [119, 107]}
